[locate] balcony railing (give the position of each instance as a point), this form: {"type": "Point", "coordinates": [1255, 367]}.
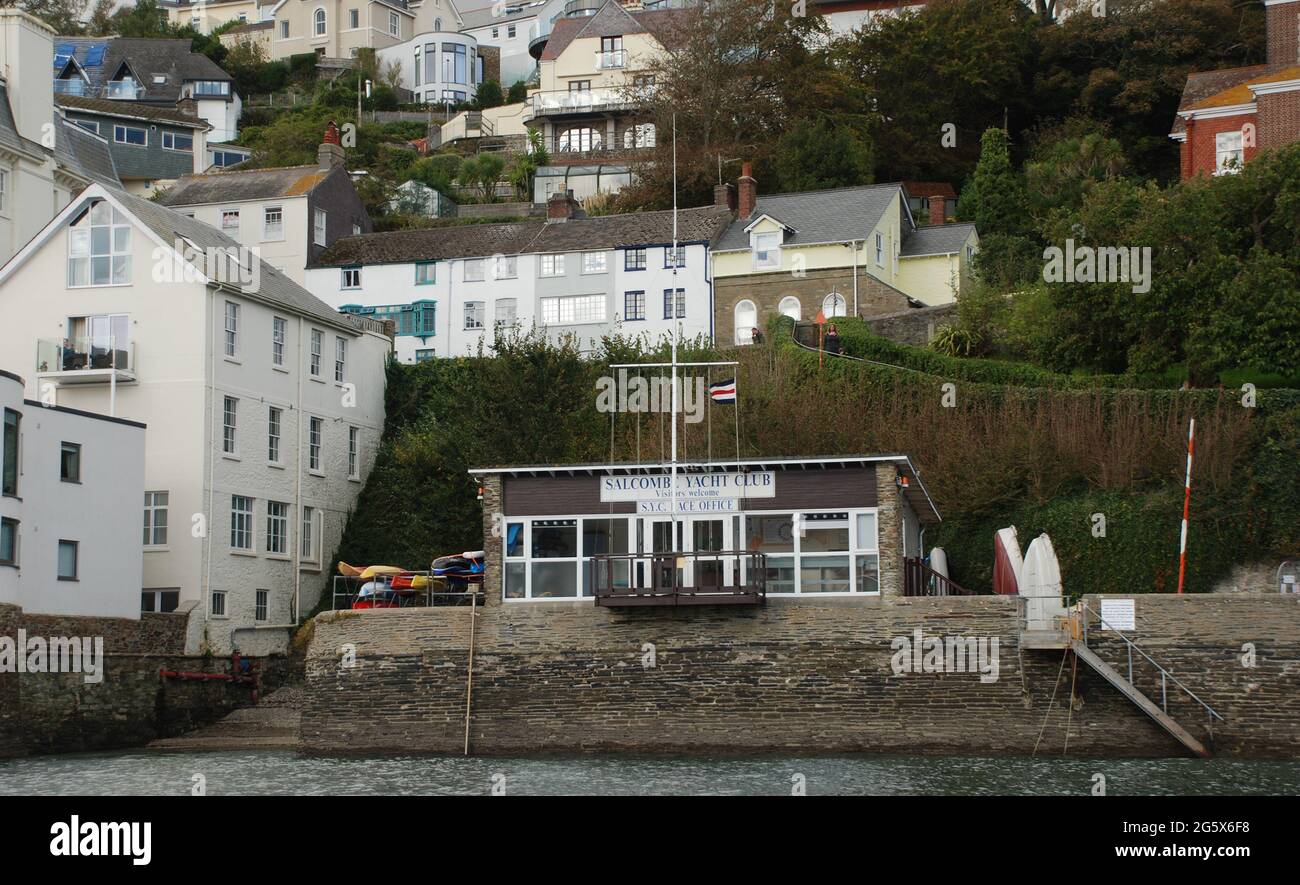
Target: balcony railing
{"type": "Point", "coordinates": [85, 360]}
{"type": "Point", "coordinates": [921, 580]}
{"type": "Point", "coordinates": [560, 101]}
{"type": "Point", "coordinates": [124, 90]}
{"type": "Point", "coordinates": [611, 59]}
{"type": "Point", "coordinates": [712, 577]}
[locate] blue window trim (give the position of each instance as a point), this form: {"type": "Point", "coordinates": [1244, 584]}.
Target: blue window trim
{"type": "Point", "coordinates": [668, 251]}
{"type": "Point", "coordinates": [626, 312]}
{"type": "Point", "coordinates": [627, 253]}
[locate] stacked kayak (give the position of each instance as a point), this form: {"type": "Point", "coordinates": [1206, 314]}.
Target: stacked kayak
{"type": "Point", "coordinates": [460, 569]}
{"type": "Point", "coordinates": [384, 586]}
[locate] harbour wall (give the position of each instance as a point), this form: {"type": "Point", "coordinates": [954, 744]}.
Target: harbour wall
{"type": "Point", "coordinates": [805, 676]}
{"type": "Point", "coordinates": [132, 705]}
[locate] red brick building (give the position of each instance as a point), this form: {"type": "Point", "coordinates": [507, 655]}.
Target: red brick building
{"type": "Point", "coordinates": [1226, 117]}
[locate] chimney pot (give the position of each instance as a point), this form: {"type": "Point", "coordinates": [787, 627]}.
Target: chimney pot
{"type": "Point", "coordinates": [724, 197]}
{"type": "Point", "coordinates": [330, 152]}
{"type": "Point", "coordinates": [938, 209]}
{"type": "Point", "coordinates": [747, 192]}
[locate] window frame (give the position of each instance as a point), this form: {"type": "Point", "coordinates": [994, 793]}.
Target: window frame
{"type": "Point", "coordinates": [76, 560]}
{"type": "Point", "coordinates": [432, 276]}
{"type": "Point", "coordinates": [634, 259]}
{"type": "Point", "coordinates": [268, 234]}
{"type": "Point", "coordinates": [587, 262]}
{"type": "Point", "coordinates": [279, 337]}
{"type": "Point", "coordinates": [315, 443]}
{"type": "Point", "coordinates": [277, 528]}
{"type": "Point", "coordinates": [14, 527]}
{"type": "Point", "coordinates": [152, 507]}
{"type": "Point", "coordinates": [230, 426]}
{"type": "Point", "coordinates": [631, 297]}
{"type": "Point", "coordinates": [75, 476]}
{"type": "Point", "coordinates": [123, 129]}
{"type": "Point", "coordinates": [274, 434]}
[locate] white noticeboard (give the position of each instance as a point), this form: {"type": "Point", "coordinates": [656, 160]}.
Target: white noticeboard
{"type": "Point", "coordinates": [1118, 615]}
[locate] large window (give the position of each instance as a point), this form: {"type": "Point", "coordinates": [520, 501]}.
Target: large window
{"type": "Point", "coordinates": [579, 138]}
{"type": "Point", "coordinates": [160, 600]}
{"type": "Point", "coordinates": [1228, 153]}
{"type": "Point", "coordinates": [425, 273]}
{"type": "Point", "coordinates": [674, 303]}
{"type": "Point", "coordinates": [507, 310]}
{"type": "Point", "coordinates": [229, 416]}
{"type": "Point", "coordinates": [817, 552]}
{"type": "Point", "coordinates": [550, 265]}
{"type": "Point", "coordinates": [767, 250]}
{"type": "Point", "coordinates": [99, 248]}
{"type": "Point", "coordinates": [155, 519]}
{"type": "Point", "coordinates": [178, 141]}
{"type": "Point", "coordinates": [573, 309]}
{"type": "Point", "coordinates": [634, 305]}
{"type": "Point", "coordinates": [474, 270]}
{"type": "Point", "coordinates": [132, 135]}
{"type": "Point", "coordinates": [506, 267]}
{"type": "Point", "coordinates": [274, 420]}
{"type": "Point", "coordinates": [474, 311]}
{"type": "Point", "coordinates": [232, 328]}
{"type": "Point", "coordinates": [277, 527]}
{"type": "Point", "coordinates": [746, 319]}
{"type": "Point", "coordinates": [273, 223]}
{"type": "Point", "coordinates": [241, 522]}
{"type": "Point", "coordinates": [8, 541]}
{"type": "Point", "coordinates": [315, 432]}
{"type": "Point", "coordinates": [634, 259]}
{"type": "Point", "coordinates": [554, 567]}
{"type": "Point", "coordinates": [9, 459]}
{"type": "Point", "coordinates": [68, 551]}
{"type": "Point", "coordinates": [549, 558]}
{"type": "Point", "coordinates": [70, 462]}
{"type": "Point", "coordinates": [318, 22]}
{"type": "Point", "coordinates": [279, 326]}
{"type": "Point", "coordinates": [454, 67]}
{"type": "Point", "coordinates": [593, 262]}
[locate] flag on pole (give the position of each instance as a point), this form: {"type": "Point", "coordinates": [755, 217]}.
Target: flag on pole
{"type": "Point", "coordinates": [724, 391]}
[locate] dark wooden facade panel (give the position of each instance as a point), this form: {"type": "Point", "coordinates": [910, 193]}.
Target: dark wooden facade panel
{"type": "Point", "coordinates": [795, 490]}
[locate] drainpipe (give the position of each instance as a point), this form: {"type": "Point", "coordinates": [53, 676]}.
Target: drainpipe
{"type": "Point", "coordinates": [853, 244]}
{"type": "Point", "coordinates": [297, 486]}
{"type": "Point", "coordinates": [211, 389]}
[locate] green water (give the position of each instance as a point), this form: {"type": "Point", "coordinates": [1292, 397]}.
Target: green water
{"type": "Point", "coordinates": [283, 772]}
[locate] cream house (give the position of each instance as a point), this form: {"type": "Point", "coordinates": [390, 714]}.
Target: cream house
{"type": "Point", "coordinates": [852, 251]}
{"type": "Point", "coordinates": [338, 28]}
{"type": "Point", "coordinates": [263, 405]}
{"type": "Point", "coordinates": [207, 15]}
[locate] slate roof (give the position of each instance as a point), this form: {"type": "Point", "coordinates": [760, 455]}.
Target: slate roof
{"type": "Point", "coordinates": [128, 110]}
{"type": "Point", "coordinates": [238, 185]}
{"type": "Point", "coordinates": [275, 287]}
{"type": "Point", "coordinates": [1204, 84]}
{"type": "Point", "coordinates": [612, 20]}
{"type": "Point", "coordinates": [145, 56]}
{"type": "Point", "coordinates": [936, 239]}
{"type": "Point", "coordinates": [828, 216]}
{"type": "Point", "coordinates": [84, 154]}
{"type": "Point", "coordinates": [701, 225]}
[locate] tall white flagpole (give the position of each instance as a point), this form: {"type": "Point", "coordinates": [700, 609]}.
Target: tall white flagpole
{"type": "Point", "coordinates": [676, 405]}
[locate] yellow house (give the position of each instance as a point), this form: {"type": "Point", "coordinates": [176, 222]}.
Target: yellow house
{"type": "Point", "coordinates": [853, 251]}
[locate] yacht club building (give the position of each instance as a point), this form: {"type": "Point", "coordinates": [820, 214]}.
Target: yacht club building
{"type": "Point", "coordinates": [744, 530]}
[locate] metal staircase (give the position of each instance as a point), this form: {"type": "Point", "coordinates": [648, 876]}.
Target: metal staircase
{"type": "Point", "coordinates": [1126, 687]}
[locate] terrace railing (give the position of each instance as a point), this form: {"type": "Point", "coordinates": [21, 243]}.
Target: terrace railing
{"type": "Point", "coordinates": [921, 580]}
{"type": "Point", "coordinates": [713, 577]}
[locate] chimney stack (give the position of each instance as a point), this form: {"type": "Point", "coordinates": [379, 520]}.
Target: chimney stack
{"type": "Point", "coordinates": [724, 197]}
{"type": "Point", "coordinates": [1282, 32]}
{"type": "Point", "coordinates": [938, 209]}
{"type": "Point", "coordinates": [560, 206]}
{"type": "Point", "coordinates": [747, 190]}
{"type": "Point", "coordinates": [330, 152]}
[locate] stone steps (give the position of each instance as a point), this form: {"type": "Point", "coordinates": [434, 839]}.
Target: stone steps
{"type": "Point", "coordinates": [271, 724]}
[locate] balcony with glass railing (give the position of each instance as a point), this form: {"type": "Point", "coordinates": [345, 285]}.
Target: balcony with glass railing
{"type": "Point", "coordinates": [72, 86]}
{"type": "Point", "coordinates": [603, 98]}
{"type": "Point", "coordinates": [124, 90]}
{"type": "Point", "coordinates": [611, 59]}
{"type": "Point", "coordinates": [90, 360]}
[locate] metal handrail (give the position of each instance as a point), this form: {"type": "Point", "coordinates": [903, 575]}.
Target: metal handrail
{"type": "Point", "coordinates": [754, 562]}
{"type": "Point", "coordinates": [1133, 646]}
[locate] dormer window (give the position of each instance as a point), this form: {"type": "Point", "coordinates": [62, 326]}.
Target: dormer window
{"type": "Point", "coordinates": [767, 250]}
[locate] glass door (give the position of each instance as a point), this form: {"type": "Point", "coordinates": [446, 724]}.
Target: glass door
{"type": "Point", "coordinates": [656, 537]}
{"type": "Point", "coordinates": [708, 535]}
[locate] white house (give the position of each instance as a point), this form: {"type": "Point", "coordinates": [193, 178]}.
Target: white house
{"type": "Point", "coordinates": [288, 214]}
{"type": "Point", "coordinates": [264, 406]}
{"type": "Point", "coordinates": [447, 289]}
{"type": "Point", "coordinates": [438, 66]}
{"type": "Point", "coordinates": [515, 28]}
{"type": "Point", "coordinates": [69, 485]}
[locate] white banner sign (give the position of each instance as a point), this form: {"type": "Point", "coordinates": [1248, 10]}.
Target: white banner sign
{"type": "Point", "coordinates": [696, 492]}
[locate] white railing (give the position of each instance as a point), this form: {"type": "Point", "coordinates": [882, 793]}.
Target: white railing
{"type": "Point", "coordinates": [609, 59]}
{"type": "Point", "coordinates": [560, 101]}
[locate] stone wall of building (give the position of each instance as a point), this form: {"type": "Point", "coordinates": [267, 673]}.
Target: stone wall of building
{"type": "Point", "coordinates": [875, 298]}
{"type": "Point", "coordinates": [132, 704]}
{"type": "Point", "coordinates": [802, 676]}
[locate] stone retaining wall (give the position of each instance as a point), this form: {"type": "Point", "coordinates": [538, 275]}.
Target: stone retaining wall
{"type": "Point", "coordinates": [801, 676]}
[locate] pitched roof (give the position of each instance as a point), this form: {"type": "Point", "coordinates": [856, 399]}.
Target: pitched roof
{"type": "Point", "coordinates": [612, 20]}
{"type": "Point", "coordinates": [274, 287]}
{"type": "Point", "coordinates": [828, 216]}
{"type": "Point", "coordinates": [486, 17]}
{"type": "Point", "coordinates": [102, 57]}
{"type": "Point", "coordinates": [700, 225]}
{"type": "Point", "coordinates": [1204, 84]}
{"type": "Point", "coordinates": [244, 184]}
{"type": "Point", "coordinates": [1242, 93]}
{"type": "Point", "coordinates": [936, 239]}
{"type": "Point", "coordinates": [128, 110]}
{"type": "Point", "coordinates": [84, 154]}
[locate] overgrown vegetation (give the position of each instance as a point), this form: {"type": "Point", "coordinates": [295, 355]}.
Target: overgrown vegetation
{"type": "Point", "coordinates": [1043, 459]}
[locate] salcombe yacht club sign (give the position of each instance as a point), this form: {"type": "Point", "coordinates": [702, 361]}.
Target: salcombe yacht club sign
{"type": "Point", "coordinates": [696, 492]}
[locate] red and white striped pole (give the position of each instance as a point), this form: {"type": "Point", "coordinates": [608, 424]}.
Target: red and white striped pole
{"type": "Point", "coordinates": [1187, 506]}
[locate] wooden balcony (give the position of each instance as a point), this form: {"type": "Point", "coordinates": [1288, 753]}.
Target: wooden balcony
{"type": "Point", "coordinates": [715, 577]}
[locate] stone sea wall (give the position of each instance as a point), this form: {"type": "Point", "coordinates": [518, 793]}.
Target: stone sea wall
{"type": "Point", "coordinates": [803, 675]}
